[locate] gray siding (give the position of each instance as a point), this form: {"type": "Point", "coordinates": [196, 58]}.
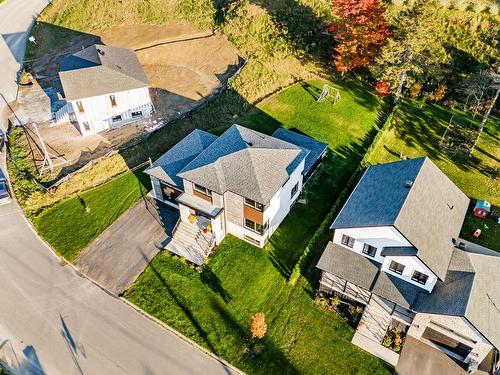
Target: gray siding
{"type": "Point", "coordinates": [234, 208]}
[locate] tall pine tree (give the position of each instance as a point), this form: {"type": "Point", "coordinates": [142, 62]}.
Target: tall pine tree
{"type": "Point", "coordinates": [360, 32]}
{"type": "Point", "coordinates": [413, 51]}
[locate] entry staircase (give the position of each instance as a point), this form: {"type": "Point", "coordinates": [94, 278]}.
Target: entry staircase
{"type": "Point", "coordinates": [190, 242]}
{"type": "Point", "coordinates": [375, 320]}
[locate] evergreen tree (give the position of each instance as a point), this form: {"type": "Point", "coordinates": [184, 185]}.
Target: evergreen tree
{"type": "Point", "coordinates": [413, 52]}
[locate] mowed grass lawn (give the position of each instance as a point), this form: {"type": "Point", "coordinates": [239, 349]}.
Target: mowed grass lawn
{"type": "Point", "coordinates": [214, 307]}
{"type": "Point", "coordinates": [416, 131]}
{"type": "Point", "coordinates": [71, 225]}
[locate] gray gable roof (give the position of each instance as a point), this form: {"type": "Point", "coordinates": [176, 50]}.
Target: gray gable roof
{"type": "Point", "coordinates": [245, 162]}
{"type": "Point", "coordinates": [429, 213]}
{"type": "Point", "coordinates": [313, 147]}
{"type": "Point", "coordinates": [348, 265]}
{"type": "Point", "coordinates": [167, 167]}
{"type": "Point", "coordinates": [471, 290]}
{"type": "Point", "coordinates": [99, 70]}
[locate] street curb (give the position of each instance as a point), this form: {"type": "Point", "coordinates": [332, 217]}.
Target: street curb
{"type": "Point", "coordinates": [63, 262]}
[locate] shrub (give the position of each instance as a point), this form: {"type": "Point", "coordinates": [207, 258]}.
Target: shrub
{"type": "Point", "coordinates": [438, 94]}
{"type": "Point", "coordinates": [415, 90]}
{"type": "Point", "coordinates": [258, 326]}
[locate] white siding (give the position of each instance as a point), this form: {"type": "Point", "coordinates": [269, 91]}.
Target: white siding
{"type": "Point", "coordinates": [381, 237]}
{"type": "Point", "coordinates": [280, 204]}
{"type": "Point", "coordinates": [98, 110]}
{"type": "Point", "coordinates": [411, 264]}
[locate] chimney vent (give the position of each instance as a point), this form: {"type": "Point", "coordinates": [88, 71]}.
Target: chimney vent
{"type": "Point", "coordinates": [408, 184]}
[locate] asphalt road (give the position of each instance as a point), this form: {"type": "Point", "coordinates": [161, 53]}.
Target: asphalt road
{"type": "Point", "coordinates": [52, 320]}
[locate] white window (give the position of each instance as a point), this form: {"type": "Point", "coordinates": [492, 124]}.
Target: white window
{"type": "Point", "coordinates": [369, 250]}
{"type": "Point", "coordinates": [116, 118]}
{"type": "Point", "coordinates": [136, 114]}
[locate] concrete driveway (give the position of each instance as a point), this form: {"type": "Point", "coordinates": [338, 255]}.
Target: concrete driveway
{"type": "Point", "coordinates": [119, 255]}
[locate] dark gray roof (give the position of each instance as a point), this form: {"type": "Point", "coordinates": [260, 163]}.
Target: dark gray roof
{"type": "Point", "coordinates": [471, 289]}
{"type": "Point", "coordinates": [99, 70]}
{"type": "Point", "coordinates": [349, 265]}
{"type": "Point", "coordinates": [366, 273]}
{"type": "Point", "coordinates": [245, 162]}
{"type": "Point", "coordinates": [397, 290]}
{"type": "Point", "coordinates": [429, 213]}
{"type": "Point", "coordinates": [398, 251]}
{"type": "Point", "coordinates": [167, 167]}
{"type": "Point", "coordinates": [314, 148]}
{"type": "Point", "coordinates": [378, 197]}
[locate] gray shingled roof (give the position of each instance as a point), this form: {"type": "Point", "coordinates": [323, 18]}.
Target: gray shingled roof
{"type": "Point", "coordinates": [313, 147]}
{"type": "Point", "coordinates": [245, 162]}
{"type": "Point", "coordinates": [382, 198]}
{"type": "Point", "coordinates": [471, 288]}
{"type": "Point", "coordinates": [100, 70]}
{"type": "Point", "coordinates": [348, 265]}
{"type": "Point", "coordinates": [167, 167]}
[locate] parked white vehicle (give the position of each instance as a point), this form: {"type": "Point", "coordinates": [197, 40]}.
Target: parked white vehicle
{"type": "Point", "coordinates": [4, 190]}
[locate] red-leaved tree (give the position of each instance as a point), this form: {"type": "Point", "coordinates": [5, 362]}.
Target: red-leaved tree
{"type": "Point", "coordinates": [360, 32]}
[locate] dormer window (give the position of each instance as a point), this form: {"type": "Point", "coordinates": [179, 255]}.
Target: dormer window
{"type": "Point", "coordinates": [347, 241]}
{"type": "Point", "coordinates": [369, 250]}
{"type": "Point", "coordinates": [396, 267]}
{"type": "Point", "coordinates": [419, 277]}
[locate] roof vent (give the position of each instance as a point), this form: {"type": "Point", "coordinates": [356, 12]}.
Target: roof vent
{"type": "Point", "coordinates": [250, 144]}
{"type": "Point", "coordinates": [100, 52]}
{"type": "Point", "coordinates": [408, 184]}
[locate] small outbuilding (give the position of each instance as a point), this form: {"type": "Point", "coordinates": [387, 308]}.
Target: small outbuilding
{"type": "Point", "coordinates": [482, 208]}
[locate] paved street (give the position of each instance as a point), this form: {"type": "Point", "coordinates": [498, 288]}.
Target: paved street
{"type": "Point", "coordinates": [120, 254]}
{"type": "Point", "coordinates": [52, 320]}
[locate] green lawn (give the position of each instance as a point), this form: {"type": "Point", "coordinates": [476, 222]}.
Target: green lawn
{"type": "Point", "coordinates": [72, 224]}
{"type": "Point", "coordinates": [416, 131]}
{"type": "Point", "coordinates": [214, 307]}
{"type": "Point", "coordinates": [490, 229]}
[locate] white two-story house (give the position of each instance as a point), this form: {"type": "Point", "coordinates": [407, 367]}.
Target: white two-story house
{"type": "Point", "coordinates": [394, 250]}
{"type": "Point", "coordinates": [104, 88]}
{"type": "Point", "coordinates": [242, 182]}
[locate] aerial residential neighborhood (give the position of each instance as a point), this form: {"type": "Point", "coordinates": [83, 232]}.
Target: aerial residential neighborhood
{"type": "Point", "coordinates": [250, 187]}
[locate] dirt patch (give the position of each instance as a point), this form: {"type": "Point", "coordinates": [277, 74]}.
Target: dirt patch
{"type": "Point", "coordinates": [184, 65]}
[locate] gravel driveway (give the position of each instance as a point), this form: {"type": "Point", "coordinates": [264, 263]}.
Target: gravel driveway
{"type": "Point", "coordinates": [119, 255]}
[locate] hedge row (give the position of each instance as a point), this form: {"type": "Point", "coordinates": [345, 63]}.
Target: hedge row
{"type": "Point", "coordinates": [314, 242]}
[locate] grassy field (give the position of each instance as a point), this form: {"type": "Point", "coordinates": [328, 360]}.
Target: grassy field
{"type": "Point", "coordinates": [214, 307]}
{"type": "Point", "coordinates": [72, 224]}
{"type": "Point", "coordinates": [108, 201]}
{"type": "Point", "coordinates": [416, 131]}
{"type": "Point", "coordinates": [490, 229]}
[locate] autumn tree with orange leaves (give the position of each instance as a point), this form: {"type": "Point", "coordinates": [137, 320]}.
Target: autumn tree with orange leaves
{"type": "Point", "coordinates": [360, 32]}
